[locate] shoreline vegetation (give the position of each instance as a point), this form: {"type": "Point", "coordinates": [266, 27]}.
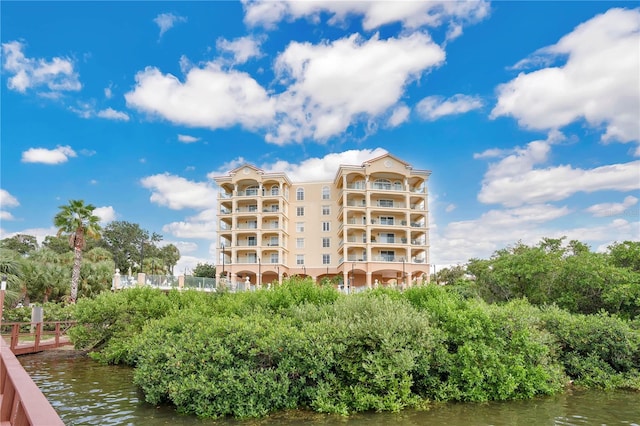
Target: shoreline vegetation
{"type": "Point", "coordinates": [528, 321]}
{"type": "Point", "coordinates": [306, 346]}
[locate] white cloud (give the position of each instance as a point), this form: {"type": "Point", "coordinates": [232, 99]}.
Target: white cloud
{"type": "Point", "coordinates": [166, 21]}
{"type": "Point", "coordinates": [242, 48]}
{"type": "Point", "coordinates": [210, 97]}
{"type": "Point", "coordinates": [450, 208]}
{"type": "Point", "coordinates": [411, 14]}
{"type": "Point", "coordinates": [612, 209]}
{"type": "Point", "coordinates": [59, 155]}
{"type": "Point", "coordinates": [191, 229]}
{"type": "Point", "coordinates": [8, 200]}
{"type": "Point", "coordinates": [108, 93]}
{"type": "Point", "coordinates": [183, 246]}
{"type": "Point", "coordinates": [433, 107]}
{"type": "Point", "coordinates": [57, 74]}
{"type": "Point", "coordinates": [187, 139]}
{"type": "Point", "coordinates": [399, 115]}
{"type": "Point", "coordinates": [178, 193]}
{"type": "Point", "coordinates": [106, 214]}
{"type": "Point", "coordinates": [333, 85]}
{"type": "Point", "coordinates": [514, 180]}
{"type": "Point", "coordinates": [201, 225]}
{"type": "Point", "coordinates": [598, 83]}
{"type": "Point", "coordinates": [112, 114]}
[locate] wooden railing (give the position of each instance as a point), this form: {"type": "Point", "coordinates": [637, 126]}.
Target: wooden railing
{"type": "Point", "coordinates": [21, 402]}
{"type": "Point", "coordinates": [30, 337]}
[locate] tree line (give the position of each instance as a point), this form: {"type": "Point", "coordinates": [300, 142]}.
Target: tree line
{"type": "Point", "coordinates": [567, 274]}
{"type": "Point", "coordinates": [81, 258]}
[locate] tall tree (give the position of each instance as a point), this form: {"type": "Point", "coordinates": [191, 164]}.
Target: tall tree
{"type": "Point", "coordinates": [170, 256]}
{"type": "Point", "coordinates": [77, 220]}
{"type": "Point", "coordinates": [206, 270]}
{"type": "Point", "coordinates": [129, 244]}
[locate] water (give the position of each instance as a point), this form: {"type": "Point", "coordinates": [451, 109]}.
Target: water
{"type": "Point", "coordinates": [86, 393]}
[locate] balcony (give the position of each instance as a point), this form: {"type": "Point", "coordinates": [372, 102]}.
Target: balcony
{"type": "Point", "coordinates": [247, 226]}
{"type": "Point", "coordinates": [248, 209]}
{"type": "Point", "coordinates": [246, 244]}
{"type": "Point", "coordinates": [357, 186]}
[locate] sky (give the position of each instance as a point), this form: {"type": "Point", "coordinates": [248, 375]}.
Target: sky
{"type": "Point", "coordinates": [527, 113]}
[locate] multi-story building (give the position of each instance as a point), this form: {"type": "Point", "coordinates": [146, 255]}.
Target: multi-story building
{"type": "Point", "coordinates": [367, 227]}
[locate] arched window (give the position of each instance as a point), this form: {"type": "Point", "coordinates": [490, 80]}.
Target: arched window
{"type": "Point", "coordinates": [300, 194]}
{"type": "Point", "coordinates": [275, 190]}
{"type": "Point", "coordinates": [325, 193]}
{"type": "Point", "coordinates": [382, 184]}
{"type": "Point", "coordinates": [252, 190]}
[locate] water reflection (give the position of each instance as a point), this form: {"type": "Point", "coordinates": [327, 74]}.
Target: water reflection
{"type": "Point", "coordinates": [86, 393]}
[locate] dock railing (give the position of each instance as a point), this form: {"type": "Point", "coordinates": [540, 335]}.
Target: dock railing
{"type": "Point", "coordinates": [21, 402]}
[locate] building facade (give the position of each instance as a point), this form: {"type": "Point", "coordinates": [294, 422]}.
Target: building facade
{"type": "Point", "coordinates": [368, 227]}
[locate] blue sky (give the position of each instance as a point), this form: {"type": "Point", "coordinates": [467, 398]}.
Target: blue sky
{"type": "Point", "coordinates": [527, 113]}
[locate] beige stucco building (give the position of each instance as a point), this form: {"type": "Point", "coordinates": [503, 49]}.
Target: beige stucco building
{"type": "Point", "coordinates": [367, 227]}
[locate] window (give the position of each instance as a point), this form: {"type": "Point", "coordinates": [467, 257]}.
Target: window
{"type": "Point", "coordinates": [326, 226]}
{"type": "Point", "coordinates": [299, 226]}
{"type": "Point", "coordinates": [326, 259]}
{"type": "Point", "coordinates": [387, 255]}
{"type": "Point", "coordinates": [299, 259]}
{"type": "Point", "coordinates": [251, 241]}
{"type": "Point", "coordinates": [299, 243]}
{"type": "Point", "coordinates": [385, 203]}
{"type": "Point", "coordinates": [275, 190]}
{"type": "Point", "coordinates": [325, 193]}
{"type": "Point", "coordinates": [326, 242]}
{"type": "Point", "coordinates": [274, 257]}
{"type": "Point", "coordinates": [389, 238]}
{"type": "Point", "coordinates": [253, 208]}
{"type": "Point", "coordinates": [299, 211]}
{"type": "Point", "coordinates": [273, 241]}
{"type": "Point", "coordinates": [326, 210]}
{"type": "Point", "coordinates": [252, 190]}
{"type": "Point", "coordinates": [386, 220]}
{"type": "Point", "coordinates": [300, 194]}
{"type": "Point", "coordinates": [382, 184]}
{"type": "Point", "coordinates": [274, 224]}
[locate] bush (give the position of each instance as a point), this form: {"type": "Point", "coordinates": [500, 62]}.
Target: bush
{"type": "Point", "coordinates": [599, 350]}
{"type": "Point", "coordinates": [487, 353]}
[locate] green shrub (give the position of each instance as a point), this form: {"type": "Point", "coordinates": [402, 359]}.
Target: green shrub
{"type": "Point", "coordinates": [596, 350]}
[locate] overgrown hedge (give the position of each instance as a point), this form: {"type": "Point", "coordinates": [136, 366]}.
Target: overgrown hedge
{"type": "Point", "coordinates": [304, 346]}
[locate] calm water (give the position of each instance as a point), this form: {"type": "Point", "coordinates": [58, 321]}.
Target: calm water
{"type": "Point", "coordinates": [86, 393]}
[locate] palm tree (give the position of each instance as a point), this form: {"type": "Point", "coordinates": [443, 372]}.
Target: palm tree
{"type": "Point", "coordinates": [76, 219]}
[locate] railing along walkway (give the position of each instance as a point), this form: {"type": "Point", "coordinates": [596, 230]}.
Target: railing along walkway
{"type": "Point", "coordinates": [31, 337]}
{"type": "Point", "coordinates": [21, 402]}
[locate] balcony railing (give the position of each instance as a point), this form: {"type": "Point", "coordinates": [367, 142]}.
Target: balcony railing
{"type": "Point", "coordinates": [359, 186]}
{"type": "Point", "coordinates": [246, 244]}
{"type": "Point", "coordinates": [249, 209]}
{"type": "Point", "coordinates": [247, 226]}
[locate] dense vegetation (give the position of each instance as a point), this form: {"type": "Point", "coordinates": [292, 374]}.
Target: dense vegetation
{"type": "Point", "coordinates": [306, 346]}
{"type": "Point", "coordinates": [551, 272]}
{"type": "Point", "coordinates": [41, 274]}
